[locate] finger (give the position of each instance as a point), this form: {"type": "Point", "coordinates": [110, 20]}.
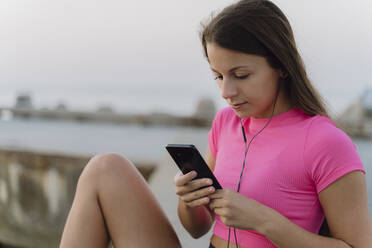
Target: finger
{"type": "Point", "coordinates": [217, 195]}
{"type": "Point", "coordinates": [183, 179]}
{"type": "Point", "coordinates": [197, 194]}
{"type": "Point", "coordinates": [215, 203]}
{"type": "Point", "coordinates": [198, 202]}
{"type": "Point", "coordinates": [179, 173]}
{"type": "Point", "coordinates": [193, 185]}
{"type": "Point", "coordinates": [219, 211]}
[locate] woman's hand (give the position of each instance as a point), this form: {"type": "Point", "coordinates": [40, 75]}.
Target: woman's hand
{"type": "Point", "coordinates": [236, 210]}
{"type": "Point", "coordinates": [193, 192]}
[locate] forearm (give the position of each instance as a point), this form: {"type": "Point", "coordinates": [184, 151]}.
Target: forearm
{"type": "Point", "coordinates": [197, 221]}
{"type": "Point", "coordinates": [285, 234]}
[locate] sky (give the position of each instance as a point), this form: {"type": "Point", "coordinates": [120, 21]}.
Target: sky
{"type": "Point", "coordinates": [141, 56]}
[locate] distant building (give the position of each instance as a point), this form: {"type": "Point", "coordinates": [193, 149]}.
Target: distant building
{"type": "Point", "coordinates": [357, 119]}
{"type": "Point", "coordinates": [367, 102]}
{"type": "Point", "coordinates": [61, 107]}
{"type": "Point", "coordinates": [105, 109]}
{"type": "Point", "coordinates": [23, 101]}
{"type": "Point", "coordinates": [205, 109]}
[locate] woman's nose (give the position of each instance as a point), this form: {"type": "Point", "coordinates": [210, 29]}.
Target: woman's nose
{"type": "Point", "coordinates": [228, 89]}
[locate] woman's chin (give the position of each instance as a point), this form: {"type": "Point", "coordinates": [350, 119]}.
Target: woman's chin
{"type": "Point", "coordinates": [242, 114]}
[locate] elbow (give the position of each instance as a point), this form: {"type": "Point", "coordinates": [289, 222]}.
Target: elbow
{"type": "Point", "coordinates": [196, 234]}
{"type": "Point", "coordinates": [197, 231]}
{"type": "Point", "coordinates": [201, 230]}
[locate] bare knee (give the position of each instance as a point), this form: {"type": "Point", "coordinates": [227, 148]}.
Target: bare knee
{"type": "Point", "coordinates": [108, 167]}
{"type": "Point", "coordinates": [109, 162]}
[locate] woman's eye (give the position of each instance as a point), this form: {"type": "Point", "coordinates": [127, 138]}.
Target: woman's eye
{"type": "Point", "coordinates": [218, 78]}
{"type": "Point", "coordinates": [241, 77]}
{"type": "Point", "coordinates": [236, 76]}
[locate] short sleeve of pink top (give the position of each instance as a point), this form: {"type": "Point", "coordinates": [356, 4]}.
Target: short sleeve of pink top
{"type": "Point", "coordinates": [288, 164]}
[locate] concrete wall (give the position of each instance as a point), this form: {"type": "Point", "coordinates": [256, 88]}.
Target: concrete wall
{"type": "Point", "coordinates": [36, 193]}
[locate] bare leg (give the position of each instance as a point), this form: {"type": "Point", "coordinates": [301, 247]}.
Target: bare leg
{"type": "Point", "coordinates": [113, 200]}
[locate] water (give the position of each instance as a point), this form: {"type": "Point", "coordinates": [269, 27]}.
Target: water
{"type": "Point", "coordinates": [69, 137]}
{"type": "Point", "coordinates": [139, 143]}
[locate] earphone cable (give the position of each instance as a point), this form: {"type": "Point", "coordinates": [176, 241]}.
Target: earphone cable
{"type": "Point", "coordinates": [245, 156]}
{"type": "Point", "coordinates": [228, 243]}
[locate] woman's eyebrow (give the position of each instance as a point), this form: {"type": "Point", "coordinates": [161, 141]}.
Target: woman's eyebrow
{"type": "Point", "coordinates": [232, 69]}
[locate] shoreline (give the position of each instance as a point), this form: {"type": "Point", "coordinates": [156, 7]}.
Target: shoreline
{"type": "Point", "coordinates": [159, 118]}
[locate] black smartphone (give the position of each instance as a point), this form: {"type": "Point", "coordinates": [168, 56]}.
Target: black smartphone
{"type": "Point", "coordinates": [188, 158]}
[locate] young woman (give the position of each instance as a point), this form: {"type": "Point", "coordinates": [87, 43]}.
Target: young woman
{"type": "Point", "coordinates": [283, 164]}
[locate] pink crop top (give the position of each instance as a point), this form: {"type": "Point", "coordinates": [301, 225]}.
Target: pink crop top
{"type": "Point", "coordinates": [288, 164]}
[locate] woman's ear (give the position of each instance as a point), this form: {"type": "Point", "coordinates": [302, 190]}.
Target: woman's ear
{"type": "Point", "coordinates": [283, 74]}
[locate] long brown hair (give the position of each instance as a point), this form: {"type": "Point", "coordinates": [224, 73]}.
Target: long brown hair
{"type": "Point", "coordinates": [259, 27]}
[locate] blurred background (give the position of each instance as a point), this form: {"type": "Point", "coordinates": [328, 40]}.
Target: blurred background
{"type": "Point", "coordinates": [83, 77]}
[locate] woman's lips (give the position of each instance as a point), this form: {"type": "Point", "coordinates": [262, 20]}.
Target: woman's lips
{"type": "Point", "coordinates": [237, 106]}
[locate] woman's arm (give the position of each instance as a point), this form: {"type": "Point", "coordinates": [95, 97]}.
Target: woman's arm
{"type": "Point", "coordinates": [197, 220]}
{"type": "Point", "coordinates": [346, 208]}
